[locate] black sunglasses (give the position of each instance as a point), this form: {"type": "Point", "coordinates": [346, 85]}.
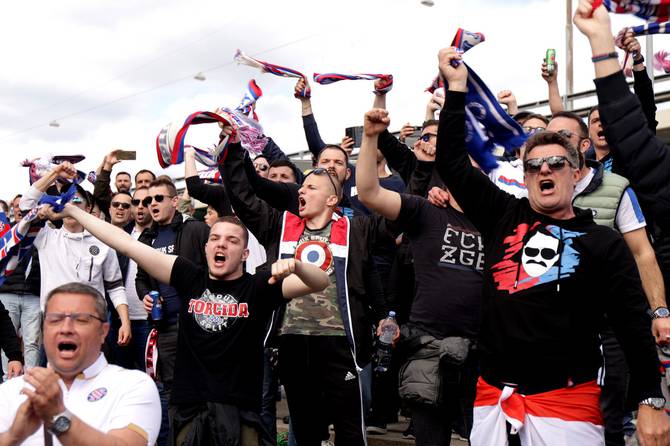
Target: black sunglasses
{"type": "Point", "coordinates": [321, 171]}
{"type": "Point", "coordinates": [158, 197]}
{"type": "Point", "coordinates": [426, 136]}
{"type": "Point", "coordinates": [261, 167]}
{"type": "Point", "coordinates": [118, 204]}
{"type": "Point", "coordinates": [555, 162]}
{"type": "Point", "coordinates": [546, 253]}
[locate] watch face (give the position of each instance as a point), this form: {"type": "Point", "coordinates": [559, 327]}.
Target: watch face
{"type": "Point", "coordinates": [662, 312]}
{"type": "Point", "coordinates": [61, 425]}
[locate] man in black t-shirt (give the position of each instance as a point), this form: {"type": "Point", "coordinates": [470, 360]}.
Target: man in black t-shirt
{"type": "Point", "coordinates": [448, 261]}
{"type": "Point", "coordinates": [223, 312]}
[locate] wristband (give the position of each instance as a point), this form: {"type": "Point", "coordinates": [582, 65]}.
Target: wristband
{"type": "Point", "coordinates": [639, 61]}
{"type": "Point", "coordinates": [601, 57]}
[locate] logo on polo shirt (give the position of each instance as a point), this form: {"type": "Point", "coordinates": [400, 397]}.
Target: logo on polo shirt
{"type": "Point", "coordinates": [214, 312]}
{"type": "Point", "coordinates": [94, 250]}
{"type": "Point", "coordinates": [97, 394]}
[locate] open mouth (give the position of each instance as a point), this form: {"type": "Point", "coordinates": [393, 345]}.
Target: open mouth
{"type": "Point", "coordinates": [219, 259]}
{"type": "Point", "coordinates": [67, 348]}
{"type": "Point", "coordinates": [601, 134]}
{"type": "Point", "coordinates": [302, 202]}
{"type": "Point", "coordinates": [546, 186]}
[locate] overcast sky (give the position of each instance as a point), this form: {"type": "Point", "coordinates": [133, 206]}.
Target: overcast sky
{"type": "Point", "coordinates": [114, 73]}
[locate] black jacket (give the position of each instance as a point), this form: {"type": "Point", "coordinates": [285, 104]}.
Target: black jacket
{"type": "Point", "coordinates": [639, 156]}
{"type": "Point", "coordinates": [191, 238]}
{"type": "Point", "coordinates": [18, 283]}
{"type": "Point", "coordinates": [541, 318]}
{"type": "Point", "coordinates": [9, 342]}
{"type": "Point", "coordinates": [366, 301]}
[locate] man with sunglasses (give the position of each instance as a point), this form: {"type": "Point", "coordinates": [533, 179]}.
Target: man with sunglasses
{"type": "Point", "coordinates": [79, 398]}
{"type": "Point", "coordinates": [550, 276]}
{"type": "Point", "coordinates": [102, 192]}
{"type": "Point", "coordinates": [324, 339]}
{"type": "Point", "coordinates": [124, 208]}
{"type": "Point", "coordinates": [70, 254]}
{"type": "Point", "coordinates": [170, 233]}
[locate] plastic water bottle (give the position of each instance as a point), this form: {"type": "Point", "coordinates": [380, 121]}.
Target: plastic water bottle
{"type": "Point", "coordinates": [157, 307]}
{"type": "Point", "coordinates": [385, 342]}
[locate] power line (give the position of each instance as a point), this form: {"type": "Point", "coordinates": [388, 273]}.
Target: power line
{"type": "Point", "coordinates": [157, 87]}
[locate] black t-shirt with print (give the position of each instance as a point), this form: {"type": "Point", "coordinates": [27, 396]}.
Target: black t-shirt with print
{"type": "Point", "coordinates": [221, 329]}
{"type": "Point", "coordinates": [448, 260]}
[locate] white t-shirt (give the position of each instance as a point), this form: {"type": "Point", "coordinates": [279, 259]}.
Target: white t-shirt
{"type": "Point", "coordinates": [629, 216]}
{"type": "Point", "coordinates": [136, 311]}
{"type": "Point", "coordinates": [104, 396]}
{"type": "Point", "coordinates": [257, 255]}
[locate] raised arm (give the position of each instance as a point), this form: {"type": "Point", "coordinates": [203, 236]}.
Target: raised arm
{"type": "Point", "coordinates": [555, 102]}
{"type": "Point", "coordinates": [638, 154]}
{"type": "Point", "coordinates": [314, 141]}
{"type": "Point", "coordinates": [211, 194]}
{"type": "Point", "coordinates": [155, 263]}
{"type": "Point", "coordinates": [481, 200]}
{"type": "Point", "coordinates": [280, 196]}
{"type": "Point", "coordinates": [102, 192]}
{"type": "Point", "coordinates": [376, 198]}
{"type": "Point", "coordinates": [258, 216]}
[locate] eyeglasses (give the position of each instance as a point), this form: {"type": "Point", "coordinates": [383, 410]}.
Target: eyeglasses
{"type": "Point", "coordinates": [79, 319]}
{"type": "Point", "coordinates": [118, 204]}
{"type": "Point", "coordinates": [158, 197]}
{"type": "Point", "coordinates": [321, 171]}
{"type": "Point", "coordinates": [261, 167]}
{"type": "Point", "coordinates": [533, 130]}
{"type": "Point", "coordinates": [534, 165]}
{"type": "Point", "coordinates": [426, 136]}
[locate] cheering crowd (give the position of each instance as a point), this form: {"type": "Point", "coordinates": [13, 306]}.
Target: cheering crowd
{"type": "Point", "coordinates": [529, 287]}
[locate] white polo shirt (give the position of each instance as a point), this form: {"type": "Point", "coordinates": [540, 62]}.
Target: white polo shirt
{"type": "Point", "coordinates": [104, 396]}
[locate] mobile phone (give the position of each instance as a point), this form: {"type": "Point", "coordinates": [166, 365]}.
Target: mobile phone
{"type": "Point", "coordinates": [126, 155]}
{"type": "Point", "coordinates": [355, 133]}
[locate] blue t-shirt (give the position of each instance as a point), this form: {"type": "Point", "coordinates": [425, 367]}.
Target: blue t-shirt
{"type": "Point", "coordinates": [165, 242]}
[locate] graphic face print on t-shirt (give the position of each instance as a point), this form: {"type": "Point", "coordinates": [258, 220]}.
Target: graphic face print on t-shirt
{"type": "Point", "coordinates": [216, 312]}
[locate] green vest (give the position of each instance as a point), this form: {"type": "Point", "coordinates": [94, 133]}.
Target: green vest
{"type": "Point", "coordinates": [604, 200]}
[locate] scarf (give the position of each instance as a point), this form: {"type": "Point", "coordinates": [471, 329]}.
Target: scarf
{"type": "Point", "coordinates": [487, 124]}
{"type": "Point", "coordinates": [247, 103]}
{"type": "Point", "coordinates": [277, 70]}
{"type": "Point", "coordinates": [649, 10]}
{"type": "Point", "coordinates": [329, 78]}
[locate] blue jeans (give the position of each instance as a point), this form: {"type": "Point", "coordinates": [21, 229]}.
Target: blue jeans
{"type": "Point", "coordinates": [269, 402]}
{"type": "Point", "coordinates": [24, 311]}
{"type": "Point", "coordinates": [131, 356]}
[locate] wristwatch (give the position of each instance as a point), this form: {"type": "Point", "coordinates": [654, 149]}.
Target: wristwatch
{"type": "Point", "coordinates": [660, 312]}
{"type": "Point", "coordinates": [61, 423]}
{"type": "Point", "coordinates": [655, 403]}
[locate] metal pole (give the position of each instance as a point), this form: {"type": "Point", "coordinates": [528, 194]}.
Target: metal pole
{"type": "Point", "coordinates": [567, 102]}
{"type": "Point", "coordinates": [649, 58]}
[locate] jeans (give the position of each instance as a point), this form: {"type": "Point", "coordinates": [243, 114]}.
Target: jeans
{"type": "Point", "coordinates": [269, 401]}
{"type": "Point", "coordinates": [24, 311]}
{"type": "Point", "coordinates": [131, 356]}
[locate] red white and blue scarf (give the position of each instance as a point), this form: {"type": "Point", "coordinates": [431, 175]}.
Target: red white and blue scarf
{"type": "Point", "coordinates": [649, 10]}
{"type": "Point", "coordinates": [329, 78]}
{"type": "Point", "coordinates": [251, 95]}
{"type": "Point", "coordinates": [277, 70]}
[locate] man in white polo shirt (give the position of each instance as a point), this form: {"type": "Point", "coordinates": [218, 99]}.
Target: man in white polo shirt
{"type": "Point", "coordinates": [79, 397]}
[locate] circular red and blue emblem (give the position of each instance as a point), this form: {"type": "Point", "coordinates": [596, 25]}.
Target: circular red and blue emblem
{"type": "Point", "coordinates": [97, 394]}
{"type": "Point", "coordinates": [315, 252]}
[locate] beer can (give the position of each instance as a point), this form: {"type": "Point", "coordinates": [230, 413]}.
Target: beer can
{"type": "Point", "coordinates": [157, 307]}
{"type": "Point", "coordinates": [550, 60]}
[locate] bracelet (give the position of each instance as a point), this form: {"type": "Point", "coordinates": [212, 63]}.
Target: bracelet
{"type": "Point", "coordinates": [639, 61]}
{"type": "Point", "coordinates": [601, 57]}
